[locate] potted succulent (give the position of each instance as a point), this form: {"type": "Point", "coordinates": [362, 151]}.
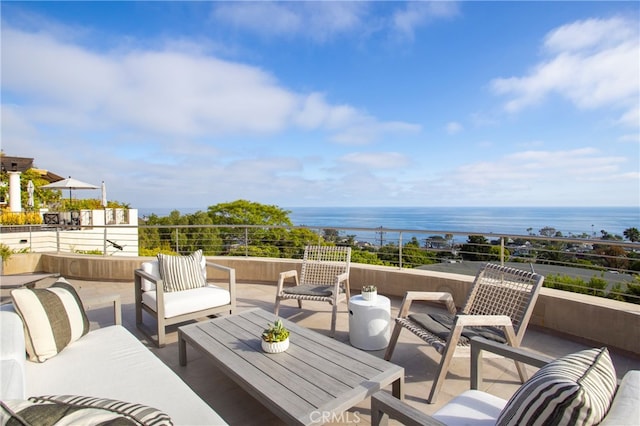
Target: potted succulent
{"type": "Point", "coordinates": [369, 292]}
{"type": "Point", "coordinates": [275, 339]}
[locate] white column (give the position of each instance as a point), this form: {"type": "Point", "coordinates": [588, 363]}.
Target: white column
{"type": "Point", "coordinates": [15, 197]}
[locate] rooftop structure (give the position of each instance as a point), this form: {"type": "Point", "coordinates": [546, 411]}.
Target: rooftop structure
{"type": "Point", "coordinates": [22, 164]}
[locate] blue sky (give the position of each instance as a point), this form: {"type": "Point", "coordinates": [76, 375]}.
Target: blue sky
{"type": "Point", "coordinates": [190, 104]}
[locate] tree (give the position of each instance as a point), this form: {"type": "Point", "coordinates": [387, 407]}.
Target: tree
{"type": "Point", "coordinates": [632, 234]}
{"type": "Point", "coordinates": [413, 255]}
{"type": "Point", "coordinates": [331, 234]}
{"type": "Point", "coordinates": [547, 231]}
{"type": "Point", "coordinates": [613, 256]}
{"type": "Point", "coordinates": [243, 212]}
{"type": "Point", "coordinates": [476, 248]}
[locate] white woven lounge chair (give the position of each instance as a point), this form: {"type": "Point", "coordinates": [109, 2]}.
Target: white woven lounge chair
{"type": "Point", "coordinates": [324, 277]}
{"type": "Point", "coordinates": [498, 307]}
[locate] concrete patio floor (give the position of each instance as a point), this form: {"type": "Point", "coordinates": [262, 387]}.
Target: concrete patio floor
{"type": "Point", "coordinates": [420, 361]}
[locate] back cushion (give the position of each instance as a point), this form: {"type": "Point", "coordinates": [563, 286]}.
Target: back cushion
{"type": "Point", "coordinates": [576, 389]}
{"type": "Point", "coordinates": [150, 268]}
{"type": "Point", "coordinates": [53, 318]}
{"type": "Point", "coordinates": [182, 272]}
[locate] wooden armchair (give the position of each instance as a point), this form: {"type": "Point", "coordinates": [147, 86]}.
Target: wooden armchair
{"type": "Point", "coordinates": [578, 388]}
{"type": "Point", "coordinates": [498, 307]}
{"type": "Point", "coordinates": [184, 302]}
{"type": "Point", "coordinates": [324, 277]}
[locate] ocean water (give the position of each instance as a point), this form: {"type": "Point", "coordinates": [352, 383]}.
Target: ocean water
{"type": "Point", "coordinates": [499, 220]}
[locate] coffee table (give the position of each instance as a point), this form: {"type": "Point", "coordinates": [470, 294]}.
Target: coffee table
{"type": "Point", "coordinates": [316, 378]}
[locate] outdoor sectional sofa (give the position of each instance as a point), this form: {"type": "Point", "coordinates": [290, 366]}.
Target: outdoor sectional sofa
{"type": "Point", "coordinates": [108, 365]}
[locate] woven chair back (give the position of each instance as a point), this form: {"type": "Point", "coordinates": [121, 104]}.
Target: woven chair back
{"type": "Point", "coordinates": [500, 290]}
{"type": "Point", "coordinates": [322, 264]}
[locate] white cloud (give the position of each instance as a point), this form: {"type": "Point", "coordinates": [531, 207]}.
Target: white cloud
{"type": "Point", "coordinates": [593, 63]}
{"type": "Point", "coordinates": [415, 14]}
{"type": "Point", "coordinates": [376, 160]}
{"type": "Point", "coordinates": [325, 20]}
{"type": "Point", "coordinates": [542, 168]}
{"type": "Point", "coordinates": [453, 127]}
{"type": "Point", "coordinates": [164, 92]}
{"type": "Point", "coordinates": [632, 137]}
{"type": "Point", "coordinates": [631, 117]}
{"type": "Point", "coordinates": [588, 34]}
{"type": "Point", "coordinates": [579, 177]}
{"type": "Point", "coordinates": [316, 20]}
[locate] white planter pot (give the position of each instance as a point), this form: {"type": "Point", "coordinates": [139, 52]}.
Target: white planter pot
{"type": "Point", "coordinates": [275, 347]}
{"type": "Point", "coordinates": [370, 295]}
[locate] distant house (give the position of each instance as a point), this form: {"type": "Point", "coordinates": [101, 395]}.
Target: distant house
{"type": "Point", "coordinates": [22, 164]}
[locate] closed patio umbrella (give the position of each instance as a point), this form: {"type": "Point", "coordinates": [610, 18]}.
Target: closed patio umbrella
{"type": "Point", "coordinates": [30, 192]}
{"type": "Point", "coordinates": [70, 184]}
{"type": "Point", "coordinates": [104, 195]}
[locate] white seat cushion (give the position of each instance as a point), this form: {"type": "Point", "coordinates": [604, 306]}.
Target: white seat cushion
{"type": "Point", "coordinates": [12, 385]}
{"type": "Point", "coordinates": [12, 354]}
{"type": "Point", "coordinates": [471, 408]}
{"type": "Point", "coordinates": [115, 365]}
{"type": "Point", "coordinates": [625, 408]}
{"type": "Point", "coordinates": [183, 302]}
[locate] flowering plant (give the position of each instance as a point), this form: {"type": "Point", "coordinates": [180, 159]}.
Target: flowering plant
{"type": "Point", "coordinates": [369, 289]}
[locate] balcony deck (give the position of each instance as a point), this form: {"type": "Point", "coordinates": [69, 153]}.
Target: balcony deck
{"type": "Point", "coordinates": [238, 407]}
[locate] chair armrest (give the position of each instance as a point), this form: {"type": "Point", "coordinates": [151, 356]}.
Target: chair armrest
{"type": "Point", "coordinates": [114, 299]}
{"type": "Point", "coordinates": [426, 296]}
{"type": "Point", "coordinates": [221, 267]}
{"type": "Point", "coordinates": [283, 276]}
{"type": "Point", "coordinates": [479, 344]}
{"type": "Point", "coordinates": [231, 274]}
{"type": "Point", "coordinates": [147, 276]}
{"type": "Point", "coordinates": [383, 403]}
{"type": "Point", "coordinates": [484, 320]}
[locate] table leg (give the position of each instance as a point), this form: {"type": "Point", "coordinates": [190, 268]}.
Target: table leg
{"type": "Point", "coordinates": [182, 349]}
{"type": "Point", "coordinates": [398, 387]}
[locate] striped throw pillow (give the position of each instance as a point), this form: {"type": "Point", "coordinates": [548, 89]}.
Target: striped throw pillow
{"type": "Point", "coordinates": [180, 273]}
{"type": "Point", "coordinates": [53, 318]}
{"type": "Point", "coordinates": [81, 410]}
{"type": "Point", "coordinates": [576, 389]}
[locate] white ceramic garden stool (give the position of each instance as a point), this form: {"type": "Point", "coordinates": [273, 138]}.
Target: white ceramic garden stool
{"type": "Point", "coordinates": [369, 327]}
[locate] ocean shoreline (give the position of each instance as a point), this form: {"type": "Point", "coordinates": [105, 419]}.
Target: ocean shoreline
{"type": "Point", "coordinates": [501, 220]}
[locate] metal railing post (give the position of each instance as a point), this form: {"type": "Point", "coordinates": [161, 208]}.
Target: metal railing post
{"type": "Point", "coordinates": [246, 242]}
{"type": "Point", "coordinates": [400, 249]}
{"type": "Point", "coordinates": [104, 242]}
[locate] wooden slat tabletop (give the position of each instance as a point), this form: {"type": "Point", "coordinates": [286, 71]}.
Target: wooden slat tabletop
{"type": "Point", "coordinates": [315, 376]}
